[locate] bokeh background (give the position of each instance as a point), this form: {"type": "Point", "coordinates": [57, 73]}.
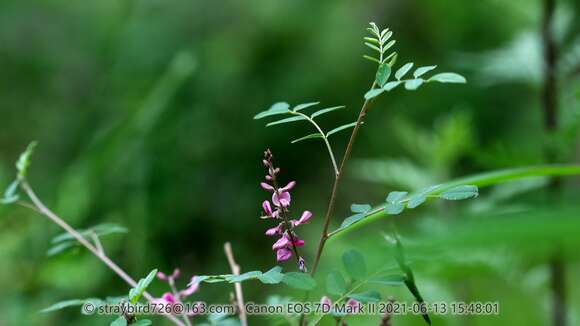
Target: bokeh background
{"type": "Point", "coordinates": [143, 112]}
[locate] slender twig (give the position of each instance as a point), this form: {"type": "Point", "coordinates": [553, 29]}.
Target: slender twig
{"type": "Point", "coordinates": [324, 137]}
{"type": "Point", "coordinates": [332, 201]}
{"type": "Point", "coordinates": [40, 207]}
{"type": "Point", "coordinates": [238, 286]}
{"type": "Point", "coordinates": [97, 242]}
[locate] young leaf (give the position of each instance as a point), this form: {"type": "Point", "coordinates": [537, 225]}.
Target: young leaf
{"type": "Point", "coordinates": [10, 195]}
{"type": "Point", "coordinates": [413, 84]}
{"type": "Point", "coordinates": [360, 208]}
{"type": "Point", "coordinates": [304, 106]}
{"type": "Point", "coordinates": [460, 192]}
{"type": "Point", "coordinates": [368, 57]}
{"type": "Point", "coordinates": [351, 220]}
{"type": "Point", "coordinates": [99, 230]}
{"type": "Point", "coordinates": [355, 265]}
{"type": "Point", "coordinates": [383, 73]}
{"type": "Point", "coordinates": [396, 196]}
{"type": "Point", "coordinates": [366, 297]}
{"type": "Point", "coordinates": [142, 322]}
{"type": "Point", "coordinates": [372, 46]}
{"type": "Point", "coordinates": [448, 77]}
{"type": "Point", "coordinates": [136, 293]}
{"type": "Point", "coordinates": [311, 136]}
{"type": "Point", "coordinates": [423, 70]}
{"type": "Point", "coordinates": [335, 130]}
{"type": "Point", "coordinates": [391, 85]}
{"type": "Point", "coordinates": [335, 283]}
{"type": "Point", "coordinates": [273, 276]}
{"type": "Point", "coordinates": [24, 161]}
{"type": "Point", "coordinates": [394, 202]}
{"type": "Point", "coordinates": [276, 108]}
{"type": "Point", "coordinates": [392, 280]}
{"type": "Point", "coordinates": [60, 247]}
{"type": "Point", "coordinates": [373, 93]}
{"type": "Point", "coordinates": [324, 111]}
{"type": "Point", "coordinates": [243, 277]}
{"type": "Point", "coordinates": [298, 280]}
{"type": "Point", "coordinates": [389, 45]}
{"type": "Point", "coordinates": [64, 304]}
{"type": "Point", "coordinates": [372, 40]}
{"type": "Point", "coordinates": [291, 119]}
{"type": "Point", "coordinates": [121, 321]}
{"type": "Point", "coordinates": [416, 200]}
{"type": "Point", "coordinates": [403, 70]}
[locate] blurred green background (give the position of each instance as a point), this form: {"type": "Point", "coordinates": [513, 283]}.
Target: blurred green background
{"type": "Point", "coordinates": [143, 112]}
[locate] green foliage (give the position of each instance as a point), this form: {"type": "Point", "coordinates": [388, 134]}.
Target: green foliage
{"type": "Point", "coordinates": [120, 321]}
{"type": "Point", "coordinates": [96, 302]}
{"type": "Point", "coordinates": [272, 276]}
{"type": "Point", "coordinates": [299, 280]}
{"type": "Point", "coordinates": [136, 292]}
{"type": "Point", "coordinates": [65, 241]}
{"type": "Point", "coordinates": [354, 264]}
{"type": "Point", "coordinates": [409, 278]}
{"type": "Point", "coordinates": [335, 283]}
{"type": "Point", "coordinates": [341, 128]}
{"type": "Point", "coordinates": [379, 42]}
{"type": "Point", "coordinates": [10, 194]}
{"type": "Point", "coordinates": [24, 161]}
{"type": "Point", "coordinates": [366, 296]}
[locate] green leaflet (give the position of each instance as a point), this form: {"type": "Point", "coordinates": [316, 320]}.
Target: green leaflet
{"type": "Point", "coordinates": [276, 108]}
{"type": "Point", "coordinates": [354, 264]}
{"type": "Point", "coordinates": [403, 70]}
{"type": "Point", "coordinates": [136, 292]}
{"type": "Point", "coordinates": [448, 77]}
{"type": "Point", "coordinates": [343, 127]}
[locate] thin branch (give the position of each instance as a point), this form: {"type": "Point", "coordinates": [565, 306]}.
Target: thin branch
{"type": "Point", "coordinates": [97, 242]}
{"type": "Point", "coordinates": [238, 286]}
{"type": "Point", "coordinates": [324, 137]}
{"type": "Point", "coordinates": [332, 201]}
{"type": "Point", "coordinates": [40, 207]}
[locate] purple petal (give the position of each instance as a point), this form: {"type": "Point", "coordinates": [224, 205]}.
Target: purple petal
{"type": "Point", "coordinates": [326, 302]}
{"type": "Point", "coordinates": [303, 219]}
{"type": "Point", "coordinates": [267, 208]}
{"type": "Point", "coordinates": [298, 242]}
{"type": "Point", "coordinates": [354, 305]}
{"type": "Point", "coordinates": [176, 273]}
{"type": "Point", "coordinates": [289, 186]}
{"type": "Point", "coordinates": [266, 186]}
{"type": "Point", "coordinates": [281, 243]}
{"type": "Point", "coordinates": [273, 231]}
{"type": "Point", "coordinates": [283, 200]}
{"type": "Point", "coordinates": [161, 276]}
{"type": "Point", "coordinates": [168, 298]}
{"type": "Point", "coordinates": [283, 254]}
{"type": "Point", "coordinates": [192, 288]}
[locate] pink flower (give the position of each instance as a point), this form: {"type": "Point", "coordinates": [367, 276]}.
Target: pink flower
{"type": "Point", "coordinates": [353, 306]}
{"type": "Point", "coordinates": [306, 215]}
{"type": "Point", "coordinates": [193, 286]}
{"type": "Point", "coordinates": [162, 276]}
{"type": "Point", "coordinates": [286, 245]}
{"type": "Point", "coordinates": [283, 254]}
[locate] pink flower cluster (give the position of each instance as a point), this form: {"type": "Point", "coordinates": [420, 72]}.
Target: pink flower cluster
{"type": "Point", "coordinates": [175, 296]}
{"type": "Point", "coordinates": [352, 306]}
{"type": "Point", "coordinates": [288, 241]}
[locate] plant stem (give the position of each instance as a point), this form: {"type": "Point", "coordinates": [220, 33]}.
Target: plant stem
{"type": "Point", "coordinates": [332, 201]}
{"type": "Point", "coordinates": [238, 286]}
{"type": "Point", "coordinates": [104, 258]}
{"type": "Point", "coordinates": [324, 137]}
